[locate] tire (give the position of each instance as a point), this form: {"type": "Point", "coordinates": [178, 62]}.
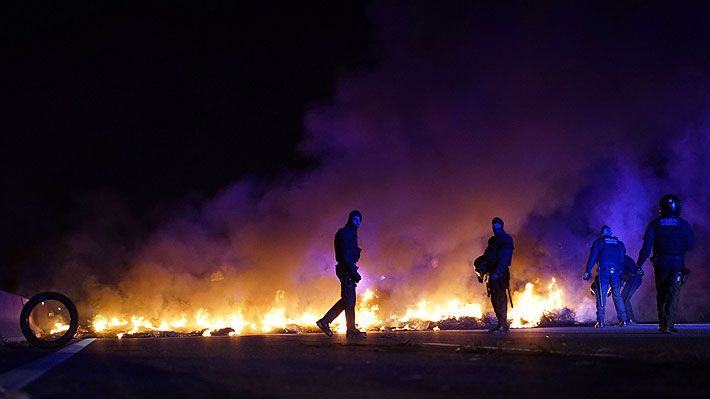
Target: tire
{"type": "Point", "coordinates": [25, 320]}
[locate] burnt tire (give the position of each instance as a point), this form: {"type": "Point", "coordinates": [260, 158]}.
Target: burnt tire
{"type": "Point", "coordinates": [25, 320]}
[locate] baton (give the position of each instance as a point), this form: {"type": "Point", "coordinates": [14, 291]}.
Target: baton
{"type": "Point", "coordinates": [510, 297]}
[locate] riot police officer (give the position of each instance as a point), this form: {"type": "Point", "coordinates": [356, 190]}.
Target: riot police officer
{"type": "Point", "coordinates": [347, 253]}
{"type": "Point", "coordinates": [670, 237]}
{"type": "Point", "coordinates": [496, 261]}
{"type": "Point", "coordinates": [632, 280]}
{"type": "Point", "coordinates": [608, 253]}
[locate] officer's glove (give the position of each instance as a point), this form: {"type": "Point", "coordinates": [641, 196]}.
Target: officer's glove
{"type": "Point", "coordinates": [684, 274]}
{"type": "Point", "coordinates": [587, 276]}
{"type": "Point", "coordinates": [639, 270]}
{"type": "Point", "coordinates": [357, 277]}
{"type": "Point", "coordinates": [480, 279]}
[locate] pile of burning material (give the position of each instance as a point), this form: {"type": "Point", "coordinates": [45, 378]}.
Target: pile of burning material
{"type": "Point", "coordinates": [411, 325]}
{"type": "Point", "coordinates": [558, 318]}
{"type": "Point", "coordinates": [467, 323]}
{"type": "Point", "coordinates": [536, 305]}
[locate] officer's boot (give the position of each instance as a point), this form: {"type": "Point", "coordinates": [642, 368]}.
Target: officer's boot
{"type": "Point", "coordinates": [324, 327]}
{"type": "Point", "coordinates": [355, 333]}
{"type": "Point", "coordinates": [499, 329]}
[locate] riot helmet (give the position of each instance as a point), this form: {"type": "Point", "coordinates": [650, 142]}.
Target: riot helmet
{"type": "Point", "coordinates": [605, 231]}
{"type": "Point", "coordinates": [594, 288]}
{"type": "Point", "coordinates": [669, 206]}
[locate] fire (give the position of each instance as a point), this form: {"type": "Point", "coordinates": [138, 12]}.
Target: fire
{"type": "Point", "coordinates": [453, 308]}
{"type": "Point", "coordinates": [276, 319]}
{"type": "Point", "coordinates": [59, 328]}
{"type": "Point", "coordinates": [140, 322]}
{"type": "Point", "coordinates": [530, 306]}
{"type": "Point", "coordinates": [234, 321]}
{"type": "Point", "coordinates": [100, 323]}
{"type": "Point", "coordinates": [365, 314]}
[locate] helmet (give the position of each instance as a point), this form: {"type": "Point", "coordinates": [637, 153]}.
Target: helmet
{"type": "Point", "coordinates": [669, 206]}
{"type": "Point", "coordinates": [480, 265]}
{"type": "Point", "coordinates": [594, 288]}
{"type": "Point", "coordinates": [605, 231]}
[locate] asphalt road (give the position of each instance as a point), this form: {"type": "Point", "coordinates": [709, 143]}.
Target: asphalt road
{"type": "Point", "coordinates": [575, 362]}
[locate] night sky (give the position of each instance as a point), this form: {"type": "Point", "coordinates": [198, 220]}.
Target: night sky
{"type": "Point", "coordinates": [145, 149]}
{"type": "Point", "coordinates": [153, 105]}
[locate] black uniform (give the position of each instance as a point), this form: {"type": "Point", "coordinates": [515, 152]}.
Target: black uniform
{"type": "Point", "coordinates": [498, 255]}
{"type": "Point", "coordinates": [608, 253]}
{"type": "Point", "coordinates": [633, 281]}
{"type": "Point", "coordinates": [669, 237]}
{"type": "Point", "coordinates": [347, 253]}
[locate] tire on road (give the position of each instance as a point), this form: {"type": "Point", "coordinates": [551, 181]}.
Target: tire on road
{"type": "Point", "coordinates": [25, 320]}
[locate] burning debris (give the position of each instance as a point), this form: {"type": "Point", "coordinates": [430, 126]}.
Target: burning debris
{"type": "Point", "coordinates": [531, 308]}
{"type": "Point", "coordinates": [534, 307]}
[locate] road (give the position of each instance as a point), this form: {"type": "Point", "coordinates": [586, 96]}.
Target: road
{"type": "Point", "coordinates": [576, 362]}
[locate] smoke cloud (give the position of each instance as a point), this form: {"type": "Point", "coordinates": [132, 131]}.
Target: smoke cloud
{"type": "Point", "coordinates": [557, 120]}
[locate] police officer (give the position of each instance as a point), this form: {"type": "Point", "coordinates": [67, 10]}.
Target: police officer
{"type": "Point", "coordinates": [608, 253]}
{"type": "Point", "coordinates": [497, 258]}
{"type": "Point", "coordinates": [347, 253]}
{"type": "Point", "coordinates": [670, 237]}
{"type": "Point", "coordinates": [632, 280]}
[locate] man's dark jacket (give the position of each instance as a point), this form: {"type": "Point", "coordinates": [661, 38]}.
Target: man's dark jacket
{"type": "Point", "coordinates": [347, 252]}
{"type": "Point", "coordinates": [667, 236]}
{"type": "Point", "coordinates": [499, 253]}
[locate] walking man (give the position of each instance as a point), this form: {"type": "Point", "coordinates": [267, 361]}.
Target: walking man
{"type": "Point", "coordinates": [347, 253]}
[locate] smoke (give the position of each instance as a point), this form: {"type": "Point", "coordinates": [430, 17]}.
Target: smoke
{"type": "Point", "coordinates": [556, 120]}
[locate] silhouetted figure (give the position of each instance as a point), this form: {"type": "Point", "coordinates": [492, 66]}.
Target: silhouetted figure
{"type": "Point", "coordinates": [632, 280]}
{"type": "Point", "coordinates": [347, 253]}
{"type": "Point", "coordinates": [608, 253]}
{"type": "Point", "coordinates": [495, 263]}
{"type": "Point", "coordinates": [670, 237]}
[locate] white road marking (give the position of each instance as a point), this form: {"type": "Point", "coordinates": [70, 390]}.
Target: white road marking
{"type": "Point", "coordinates": [20, 377]}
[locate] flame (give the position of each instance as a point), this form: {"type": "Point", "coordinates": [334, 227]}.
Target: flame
{"type": "Point", "coordinates": [530, 306]}
{"type": "Point", "coordinates": [140, 322]}
{"type": "Point", "coordinates": [453, 308]}
{"type": "Point", "coordinates": [100, 323]}
{"type": "Point", "coordinates": [180, 323]}
{"type": "Point", "coordinates": [235, 321]}
{"type": "Point", "coordinates": [365, 314]}
{"type": "Point", "coordinates": [59, 328]}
